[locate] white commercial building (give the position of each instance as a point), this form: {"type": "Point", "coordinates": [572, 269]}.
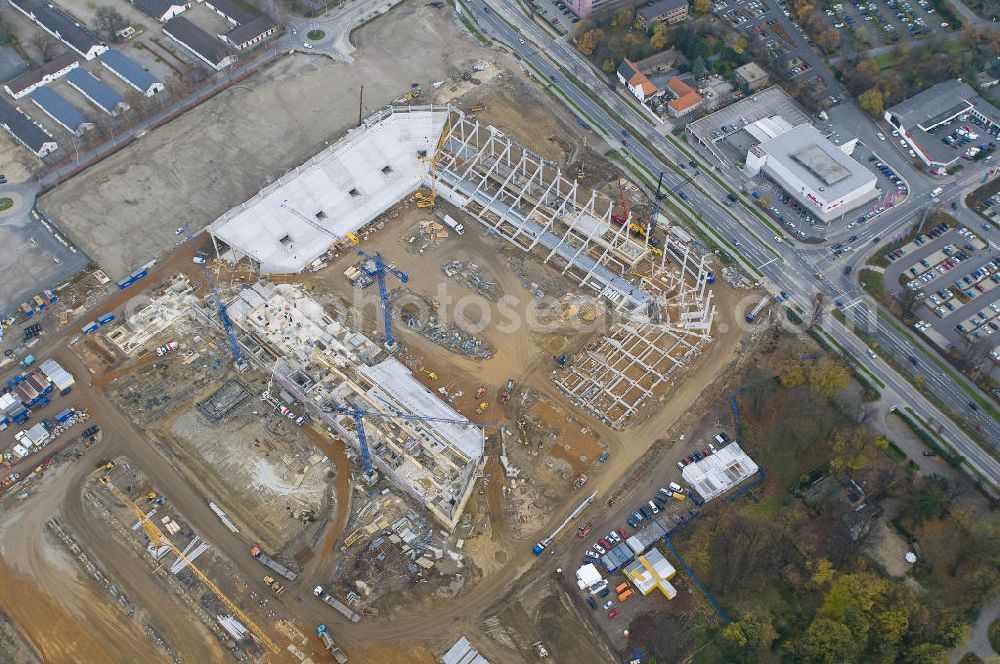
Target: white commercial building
{"type": "Point", "coordinates": [719, 472]}
{"type": "Point", "coordinates": [820, 175]}
{"type": "Point", "coordinates": [293, 221]}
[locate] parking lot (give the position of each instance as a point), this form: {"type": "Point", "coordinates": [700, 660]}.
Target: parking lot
{"type": "Point", "coordinates": [956, 274]}
{"type": "Point", "coordinates": [557, 13]}
{"type": "Point", "coordinates": [866, 24]}
{"type": "Point", "coordinates": [661, 506]}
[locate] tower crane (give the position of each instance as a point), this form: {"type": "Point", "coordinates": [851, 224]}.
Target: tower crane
{"type": "Point", "coordinates": [227, 325]}
{"type": "Point", "coordinates": [157, 538]}
{"type": "Point", "coordinates": [351, 237]}
{"type": "Point", "coordinates": [378, 272]}
{"type": "Point", "coordinates": [358, 415]}
{"type": "Point", "coordinates": [423, 200]}
{"type": "Point", "coordinates": [623, 217]}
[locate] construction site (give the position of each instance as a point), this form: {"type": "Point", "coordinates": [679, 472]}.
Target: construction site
{"type": "Point", "coordinates": [385, 371]}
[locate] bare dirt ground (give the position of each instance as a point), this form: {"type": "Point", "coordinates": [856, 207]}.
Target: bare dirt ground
{"type": "Point", "coordinates": [219, 154]}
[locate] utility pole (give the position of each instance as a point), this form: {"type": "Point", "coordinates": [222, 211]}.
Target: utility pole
{"type": "Point", "coordinates": [361, 104]}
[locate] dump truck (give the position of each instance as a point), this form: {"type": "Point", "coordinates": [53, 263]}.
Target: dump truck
{"type": "Point", "coordinates": [269, 562]}
{"type": "Point", "coordinates": [330, 645]}
{"type": "Point", "coordinates": [336, 603]}
{"type": "Point", "coordinates": [505, 394]}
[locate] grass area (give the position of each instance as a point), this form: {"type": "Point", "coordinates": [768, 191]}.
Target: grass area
{"type": "Point", "coordinates": [995, 635]}
{"type": "Point", "coordinates": [315, 35]}
{"type": "Point", "coordinates": [6, 203]}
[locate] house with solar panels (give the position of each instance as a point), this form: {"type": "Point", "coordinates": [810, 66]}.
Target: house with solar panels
{"type": "Point", "coordinates": [98, 93]}
{"type": "Point", "coordinates": [60, 110]}
{"type": "Point", "coordinates": [127, 70]}
{"type": "Point", "coordinates": [25, 131]}
{"type": "Point", "coordinates": [51, 71]}
{"type": "Point", "coordinates": [62, 25]}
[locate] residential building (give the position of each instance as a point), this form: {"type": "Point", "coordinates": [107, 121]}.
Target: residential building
{"type": "Point", "coordinates": [584, 8]}
{"type": "Point", "coordinates": [161, 10]}
{"type": "Point", "coordinates": [250, 33]}
{"type": "Point", "coordinates": [61, 25]}
{"type": "Point", "coordinates": [662, 11]}
{"type": "Point", "coordinates": [52, 70]}
{"type": "Point", "coordinates": [234, 12]}
{"type": "Point", "coordinates": [127, 70]}
{"type": "Point", "coordinates": [202, 45]}
{"type": "Point", "coordinates": [98, 93]}
{"type": "Point", "coordinates": [684, 99]}
{"type": "Point", "coordinates": [750, 77]}
{"type": "Point", "coordinates": [60, 110]}
{"type": "Point", "coordinates": [25, 131]}
{"type": "Point", "coordinates": [641, 87]}
{"type": "Point", "coordinates": [934, 122]}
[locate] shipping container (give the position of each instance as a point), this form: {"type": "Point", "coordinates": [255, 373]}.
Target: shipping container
{"type": "Point", "coordinates": [104, 319]}
{"type": "Point", "coordinates": [89, 327]}
{"type": "Point", "coordinates": [64, 415]}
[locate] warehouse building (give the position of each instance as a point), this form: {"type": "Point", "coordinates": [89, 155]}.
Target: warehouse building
{"type": "Point", "coordinates": [61, 25]}
{"type": "Point", "coordinates": [25, 131]}
{"type": "Point", "coordinates": [51, 71]}
{"type": "Point", "coordinates": [127, 70]}
{"type": "Point", "coordinates": [250, 33]}
{"type": "Point", "coordinates": [234, 12]}
{"type": "Point", "coordinates": [199, 43]}
{"type": "Point", "coordinates": [818, 174]}
{"type": "Point", "coordinates": [98, 93]}
{"type": "Point", "coordinates": [928, 119]}
{"type": "Point", "coordinates": [161, 10]}
{"type": "Point", "coordinates": [719, 472]}
{"type": "Point", "coordinates": [60, 110]}
{"type": "Point", "coordinates": [292, 222]}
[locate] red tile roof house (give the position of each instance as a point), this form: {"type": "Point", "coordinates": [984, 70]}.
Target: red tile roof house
{"type": "Point", "coordinates": [685, 99]}
{"type": "Point", "coordinates": [636, 82]}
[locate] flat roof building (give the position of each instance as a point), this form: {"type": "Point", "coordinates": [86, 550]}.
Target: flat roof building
{"type": "Point", "coordinates": [61, 25]}
{"type": "Point", "coordinates": [61, 111]}
{"type": "Point", "coordinates": [98, 93]}
{"type": "Point", "coordinates": [750, 77]}
{"type": "Point", "coordinates": [814, 171]}
{"type": "Point", "coordinates": [338, 191]}
{"type": "Point", "coordinates": [719, 472]}
{"type": "Point", "coordinates": [928, 118]}
{"type": "Point", "coordinates": [127, 70]}
{"type": "Point", "coordinates": [662, 11]}
{"type": "Point", "coordinates": [202, 45]}
{"type": "Point", "coordinates": [252, 32]}
{"type": "Point", "coordinates": [51, 71]}
{"type": "Point", "coordinates": [233, 11]}
{"type": "Point", "coordinates": [25, 131]}
{"type": "Point", "coordinates": [161, 10]}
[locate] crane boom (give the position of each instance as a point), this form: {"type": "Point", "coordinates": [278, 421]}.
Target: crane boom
{"type": "Point", "coordinates": [157, 537]}
{"type": "Point", "coordinates": [298, 215]}
{"type": "Point", "coordinates": [379, 270]}
{"type": "Point", "coordinates": [227, 324]}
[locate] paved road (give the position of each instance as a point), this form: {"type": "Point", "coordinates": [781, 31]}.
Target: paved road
{"type": "Point", "coordinates": [789, 270]}
{"type": "Point", "coordinates": [337, 27]}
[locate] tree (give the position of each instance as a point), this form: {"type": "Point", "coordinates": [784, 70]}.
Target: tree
{"type": "Point", "coordinates": [740, 44]}
{"type": "Point", "coordinates": [822, 571]}
{"type": "Point", "coordinates": [927, 653]}
{"type": "Point", "coordinates": [658, 40]}
{"type": "Point", "coordinates": [698, 67]}
{"type": "Point", "coordinates": [702, 6]}
{"type": "Point", "coordinates": [852, 448]}
{"type": "Point", "coordinates": [826, 641]}
{"type": "Point", "coordinates": [589, 40]}
{"type": "Point", "coordinates": [869, 67]}
{"type": "Point", "coordinates": [624, 17]}
{"type": "Point", "coordinates": [109, 20]}
{"type": "Point", "coordinates": [608, 66]}
{"type": "Point", "coordinates": [828, 376]}
{"type": "Point", "coordinates": [46, 45]}
{"type": "Point", "coordinates": [871, 101]}
{"type": "Point", "coordinates": [829, 40]}
{"type": "Point", "coordinates": [752, 631]}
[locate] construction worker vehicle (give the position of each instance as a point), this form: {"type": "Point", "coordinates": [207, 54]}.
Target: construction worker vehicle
{"type": "Point", "coordinates": [505, 393]}
{"type": "Point", "coordinates": [482, 407]}
{"type": "Point", "coordinates": [330, 645]}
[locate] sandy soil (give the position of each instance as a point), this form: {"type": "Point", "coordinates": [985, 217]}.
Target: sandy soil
{"type": "Point", "coordinates": [219, 154]}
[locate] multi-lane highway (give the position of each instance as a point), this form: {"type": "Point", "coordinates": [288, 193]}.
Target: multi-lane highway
{"type": "Point", "coordinates": [573, 81]}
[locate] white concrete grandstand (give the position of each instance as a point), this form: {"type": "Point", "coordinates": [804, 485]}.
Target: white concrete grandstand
{"type": "Point", "coordinates": [293, 221]}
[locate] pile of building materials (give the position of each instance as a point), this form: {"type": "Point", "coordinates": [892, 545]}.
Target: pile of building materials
{"type": "Point", "coordinates": [467, 273]}
{"type": "Point", "coordinates": [451, 337]}
{"type": "Point", "coordinates": [735, 278]}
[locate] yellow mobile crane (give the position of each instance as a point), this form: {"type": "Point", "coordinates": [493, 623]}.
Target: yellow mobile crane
{"type": "Point", "coordinates": [157, 538]}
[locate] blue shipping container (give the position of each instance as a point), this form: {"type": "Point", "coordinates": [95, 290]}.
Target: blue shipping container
{"type": "Point", "coordinates": [64, 415]}
{"type": "Point", "coordinates": [106, 318]}
{"type": "Point", "coordinates": [125, 283]}
{"type": "Point", "coordinates": [89, 327]}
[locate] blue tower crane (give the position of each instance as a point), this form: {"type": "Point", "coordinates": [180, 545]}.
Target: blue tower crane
{"type": "Point", "coordinates": [358, 415]}
{"type": "Point", "coordinates": [227, 325]}
{"type": "Point", "coordinates": [379, 273]}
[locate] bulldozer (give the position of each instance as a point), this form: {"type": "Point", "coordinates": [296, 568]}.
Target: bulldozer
{"type": "Point", "coordinates": [425, 199]}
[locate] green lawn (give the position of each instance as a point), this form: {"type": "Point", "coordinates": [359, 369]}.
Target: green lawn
{"type": "Point", "coordinates": [6, 203]}
{"type": "Point", "coordinates": [315, 35]}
